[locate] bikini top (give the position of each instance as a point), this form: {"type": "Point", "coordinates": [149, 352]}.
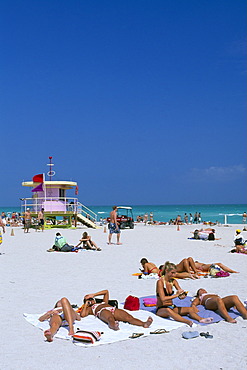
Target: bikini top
{"type": "Point", "coordinates": [165, 291]}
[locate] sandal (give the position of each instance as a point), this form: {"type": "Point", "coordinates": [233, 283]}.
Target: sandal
{"type": "Point", "coordinates": [159, 331]}
{"type": "Point", "coordinates": [136, 335]}
{"type": "Point", "coordinates": [206, 335]}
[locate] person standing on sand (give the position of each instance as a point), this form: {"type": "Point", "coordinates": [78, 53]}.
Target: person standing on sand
{"type": "Point", "coordinates": [28, 220]}
{"type": "Point", "coordinates": [113, 226]}
{"type": "Point", "coordinates": [3, 227]}
{"type": "Point", "coordinates": [41, 220]}
{"type": "Point", "coordinates": [244, 217]}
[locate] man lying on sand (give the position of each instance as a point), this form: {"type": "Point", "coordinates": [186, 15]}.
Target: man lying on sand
{"type": "Point", "coordinates": [110, 315]}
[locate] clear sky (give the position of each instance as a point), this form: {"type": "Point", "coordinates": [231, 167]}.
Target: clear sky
{"type": "Point", "coordinates": [139, 101]}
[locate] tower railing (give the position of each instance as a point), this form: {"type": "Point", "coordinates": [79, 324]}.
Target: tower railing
{"type": "Point", "coordinates": [55, 205]}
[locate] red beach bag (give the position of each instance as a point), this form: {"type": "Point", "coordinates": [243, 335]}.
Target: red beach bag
{"type": "Point", "coordinates": [132, 303]}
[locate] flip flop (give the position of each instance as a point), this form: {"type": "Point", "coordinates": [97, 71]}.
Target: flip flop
{"type": "Point", "coordinates": [206, 335]}
{"type": "Point", "coordinates": [51, 250]}
{"type": "Point", "coordinates": [190, 334]}
{"type": "Point", "coordinates": [159, 331]}
{"type": "Point", "coordinates": [136, 335]}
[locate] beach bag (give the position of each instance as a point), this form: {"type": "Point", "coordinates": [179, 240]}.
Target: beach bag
{"type": "Point", "coordinates": [222, 273]}
{"type": "Point", "coordinates": [150, 302]}
{"type": "Point", "coordinates": [132, 303]}
{"type": "Point", "coordinates": [86, 337]}
{"type": "Point", "coordinates": [213, 270]}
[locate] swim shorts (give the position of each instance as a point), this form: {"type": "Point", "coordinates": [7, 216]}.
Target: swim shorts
{"type": "Point", "coordinates": [113, 229]}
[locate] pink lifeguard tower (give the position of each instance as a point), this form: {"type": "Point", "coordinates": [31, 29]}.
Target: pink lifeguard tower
{"type": "Point", "coordinates": [59, 210]}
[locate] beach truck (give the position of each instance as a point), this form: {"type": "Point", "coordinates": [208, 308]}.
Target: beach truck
{"type": "Point", "coordinates": [124, 217]}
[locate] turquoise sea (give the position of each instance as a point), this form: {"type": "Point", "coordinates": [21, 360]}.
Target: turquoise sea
{"type": "Point", "coordinates": [163, 213]}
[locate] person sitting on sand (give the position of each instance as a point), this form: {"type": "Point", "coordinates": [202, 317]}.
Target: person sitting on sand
{"type": "Point", "coordinates": [165, 295]}
{"type": "Point", "coordinates": [61, 245]}
{"type": "Point", "coordinates": [110, 315]}
{"type": "Point", "coordinates": [213, 302]}
{"type": "Point", "coordinates": [61, 315]}
{"type": "Point", "coordinates": [88, 243]}
{"type": "Point", "coordinates": [148, 267]}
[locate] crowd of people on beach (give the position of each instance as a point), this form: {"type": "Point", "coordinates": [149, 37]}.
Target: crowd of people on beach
{"type": "Point", "coordinates": [167, 287]}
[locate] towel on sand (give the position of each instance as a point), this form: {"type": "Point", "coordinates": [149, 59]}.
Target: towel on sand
{"type": "Point", "coordinates": [109, 336]}
{"type": "Point", "coordinates": [186, 302]}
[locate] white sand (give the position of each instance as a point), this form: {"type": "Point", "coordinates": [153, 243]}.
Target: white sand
{"type": "Point", "coordinates": [33, 279]}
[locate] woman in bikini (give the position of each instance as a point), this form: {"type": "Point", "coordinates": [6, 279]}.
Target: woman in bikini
{"type": "Point", "coordinates": [165, 295]}
{"type": "Point", "coordinates": [213, 302]}
{"type": "Point", "coordinates": [61, 315]}
{"type": "Point", "coordinates": [110, 315]}
{"type": "Point", "coordinates": [205, 267]}
{"type": "Point", "coordinates": [148, 267]}
{"type": "Point", "coordinates": [184, 269]}
{"type": "Point", "coordinates": [188, 268]}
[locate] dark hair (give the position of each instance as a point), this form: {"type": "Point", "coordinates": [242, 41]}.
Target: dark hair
{"type": "Point", "coordinates": [114, 207]}
{"type": "Point", "coordinates": [143, 261]}
{"type": "Point", "coordinates": [84, 234]}
{"type": "Point", "coordinates": [57, 234]}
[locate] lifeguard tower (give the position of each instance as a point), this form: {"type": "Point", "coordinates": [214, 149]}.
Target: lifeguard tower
{"type": "Point", "coordinates": [59, 210]}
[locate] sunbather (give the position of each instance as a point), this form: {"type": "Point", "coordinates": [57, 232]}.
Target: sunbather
{"type": "Point", "coordinates": [87, 243]}
{"type": "Point", "coordinates": [110, 315]}
{"type": "Point", "coordinates": [148, 267]}
{"type": "Point", "coordinates": [165, 295]}
{"type": "Point", "coordinates": [61, 315]}
{"type": "Point", "coordinates": [184, 269]}
{"type": "Point", "coordinates": [213, 302]}
{"type": "Point", "coordinates": [206, 266]}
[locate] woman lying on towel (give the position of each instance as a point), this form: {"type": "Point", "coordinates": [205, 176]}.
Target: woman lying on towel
{"type": "Point", "coordinates": [110, 315]}
{"type": "Point", "coordinates": [61, 315]}
{"type": "Point", "coordinates": [205, 267]}
{"type": "Point", "coordinates": [184, 269]}
{"type": "Point", "coordinates": [188, 268]}
{"type": "Point", "coordinates": [165, 295]}
{"type": "Point", "coordinates": [213, 302]}
{"type": "Point", "coordinates": [148, 267]}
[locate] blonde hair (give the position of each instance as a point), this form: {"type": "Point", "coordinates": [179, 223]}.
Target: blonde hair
{"type": "Point", "coordinates": [168, 266]}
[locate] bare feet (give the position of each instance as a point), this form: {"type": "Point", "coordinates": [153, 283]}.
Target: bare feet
{"type": "Point", "coordinates": [207, 320]}
{"type": "Point", "coordinates": [148, 322]}
{"type": "Point", "coordinates": [71, 332]}
{"type": "Point", "coordinates": [114, 325]}
{"type": "Point", "coordinates": [119, 243]}
{"type": "Point", "coordinates": [188, 322]}
{"type": "Point", "coordinates": [231, 321]}
{"type": "Point", "coordinates": [48, 335]}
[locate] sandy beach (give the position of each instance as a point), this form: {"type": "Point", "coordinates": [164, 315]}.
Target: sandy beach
{"type": "Point", "coordinates": [32, 280]}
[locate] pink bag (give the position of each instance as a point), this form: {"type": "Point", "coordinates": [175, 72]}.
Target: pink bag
{"type": "Point", "coordinates": [222, 274]}
{"type": "Point", "coordinates": [149, 302]}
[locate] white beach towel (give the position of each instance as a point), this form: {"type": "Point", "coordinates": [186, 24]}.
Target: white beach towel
{"type": "Point", "coordinates": [110, 336]}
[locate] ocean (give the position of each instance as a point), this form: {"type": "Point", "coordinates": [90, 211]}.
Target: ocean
{"type": "Point", "coordinates": [163, 213]}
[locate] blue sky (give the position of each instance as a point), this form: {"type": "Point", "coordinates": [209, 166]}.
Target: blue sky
{"type": "Point", "coordinates": [141, 102]}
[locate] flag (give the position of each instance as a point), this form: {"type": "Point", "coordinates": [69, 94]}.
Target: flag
{"type": "Point", "coordinates": [38, 178]}
{"type": "Point", "coordinates": [38, 188]}
{"type": "Point", "coordinates": [76, 190]}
